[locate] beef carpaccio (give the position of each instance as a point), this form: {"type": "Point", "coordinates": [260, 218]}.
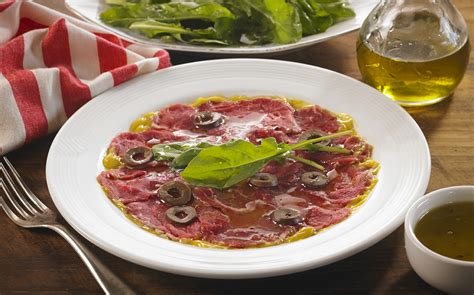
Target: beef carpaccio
{"type": "Point", "coordinates": [294, 194]}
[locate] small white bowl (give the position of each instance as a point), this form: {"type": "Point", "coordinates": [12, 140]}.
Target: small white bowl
{"type": "Point", "coordinates": [446, 274]}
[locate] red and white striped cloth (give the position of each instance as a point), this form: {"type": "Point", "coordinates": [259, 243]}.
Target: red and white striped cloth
{"type": "Point", "coordinates": [51, 64]}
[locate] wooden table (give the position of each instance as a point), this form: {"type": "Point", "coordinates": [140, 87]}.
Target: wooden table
{"type": "Point", "coordinates": [39, 261]}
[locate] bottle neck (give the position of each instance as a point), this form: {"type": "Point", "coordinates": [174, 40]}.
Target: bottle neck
{"type": "Point", "coordinates": [423, 27]}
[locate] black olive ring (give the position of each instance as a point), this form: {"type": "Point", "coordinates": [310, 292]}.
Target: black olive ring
{"type": "Point", "coordinates": [286, 216]}
{"type": "Point", "coordinates": [314, 179]}
{"type": "Point", "coordinates": [208, 120]}
{"type": "Point", "coordinates": [181, 214]}
{"type": "Point", "coordinates": [137, 156]}
{"type": "Point", "coordinates": [312, 134]}
{"type": "Point", "coordinates": [264, 180]}
{"type": "Point", "coordinates": [175, 193]}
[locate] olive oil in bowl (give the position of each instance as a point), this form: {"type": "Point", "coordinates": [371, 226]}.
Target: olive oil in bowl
{"type": "Point", "coordinates": [449, 230]}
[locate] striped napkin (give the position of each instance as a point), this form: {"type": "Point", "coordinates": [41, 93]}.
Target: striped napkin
{"type": "Point", "coordinates": [51, 64]}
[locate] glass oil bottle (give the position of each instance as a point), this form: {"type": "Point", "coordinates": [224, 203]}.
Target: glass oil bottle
{"type": "Point", "coordinates": [414, 51]}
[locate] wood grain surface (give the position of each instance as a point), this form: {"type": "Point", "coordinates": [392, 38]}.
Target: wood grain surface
{"type": "Point", "coordinates": [40, 262]}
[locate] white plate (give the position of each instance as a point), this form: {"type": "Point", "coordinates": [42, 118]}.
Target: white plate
{"type": "Point", "coordinates": [91, 9]}
{"type": "Point", "coordinates": [74, 161]}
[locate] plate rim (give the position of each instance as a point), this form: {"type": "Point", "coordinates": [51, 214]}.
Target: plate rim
{"type": "Point", "coordinates": [360, 245]}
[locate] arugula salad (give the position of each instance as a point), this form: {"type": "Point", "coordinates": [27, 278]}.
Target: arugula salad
{"type": "Point", "coordinates": [226, 22]}
{"type": "Point", "coordinates": [222, 166]}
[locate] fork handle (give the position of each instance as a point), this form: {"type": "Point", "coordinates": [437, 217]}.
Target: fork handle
{"type": "Point", "coordinates": [108, 281]}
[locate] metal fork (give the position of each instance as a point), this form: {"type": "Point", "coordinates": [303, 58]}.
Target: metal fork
{"type": "Point", "coordinates": [33, 213]}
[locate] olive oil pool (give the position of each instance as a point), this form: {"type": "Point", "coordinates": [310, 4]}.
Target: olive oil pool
{"type": "Point", "coordinates": [449, 230]}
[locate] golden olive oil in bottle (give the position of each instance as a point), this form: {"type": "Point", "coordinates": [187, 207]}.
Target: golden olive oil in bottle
{"type": "Point", "coordinates": [414, 51]}
{"type": "Point", "coordinates": [413, 82]}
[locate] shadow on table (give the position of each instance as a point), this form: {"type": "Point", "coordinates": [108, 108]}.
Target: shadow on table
{"type": "Point", "coordinates": [428, 117]}
{"type": "Point", "coordinates": [328, 55]}
{"type": "Point", "coordinates": [381, 269]}
{"type": "Point", "coordinates": [410, 278]}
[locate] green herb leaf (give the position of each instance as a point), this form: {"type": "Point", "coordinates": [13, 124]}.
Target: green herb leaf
{"type": "Point", "coordinates": [233, 21]}
{"type": "Point", "coordinates": [225, 165]}
{"type": "Point", "coordinates": [180, 154]}
{"type": "Point", "coordinates": [324, 148]}
{"type": "Point", "coordinates": [123, 16]}
{"type": "Point", "coordinates": [183, 160]}
{"type": "Point", "coordinates": [152, 28]}
{"type": "Point", "coordinates": [168, 151]}
{"type": "Point", "coordinates": [307, 162]}
{"type": "Point", "coordinates": [189, 10]}
{"type": "Point", "coordinates": [286, 20]}
{"type": "Point", "coordinates": [228, 164]}
{"type": "Point", "coordinates": [307, 143]}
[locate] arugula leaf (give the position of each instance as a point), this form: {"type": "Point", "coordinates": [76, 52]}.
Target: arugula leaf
{"type": "Point", "coordinates": [308, 143]}
{"type": "Point", "coordinates": [323, 148]}
{"type": "Point", "coordinates": [180, 154]}
{"type": "Point", "coordinates": [305, 19]}
{"type": "Point", "coordinates": [320, 18]}
{"type": "Point", "coordinates": [183, 160]}
{"type": "Point", "coordinates": [307, 162]}
{"type": "Point", "coordinates": [168, 151]}
{"type": "Point", "coordinates": [206, 41]}
{"type": "Point", "coordinates": [224, 165]}
{"type": "Point", "coordinates": [339, 10]}
{"type": "Point", "coordinates": [190, 10]}
{"type": "Point", "coordinates": [151, 28]}
{"type": "Point", "coordinates": [201, 36]}
{"type": "Point", "coordinates": [123, 16]}
{"type": "Point", "coordinates": [275, 18]}
{"type": "Point", "coordinates": [286, 20]}
{"type": "Point", "coordinates": [116, 2]}
{"type": "Point", "coordinates": [231, 21]}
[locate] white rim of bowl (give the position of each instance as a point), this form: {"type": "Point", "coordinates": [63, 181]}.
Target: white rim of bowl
{"type": "Point", "coordinates": [357, 247]}
{"type": "Point", "coordinates": [410, 222]}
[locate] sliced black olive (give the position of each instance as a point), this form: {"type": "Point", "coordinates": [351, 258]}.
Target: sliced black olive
{"type": "Point", "coordinates": [287, 216]}
{"type": "Point", "coordinates": [208, 120]}
{"type": "Point", "coordinates": [314, 179]}
{"type": "Point", "coordinates": [264, 180]}
{"type": "Point", "coordinates": [312, 134]}
{"type": "Point", "coordinates": [137, 156]}
{"type": "Point", "coordinates": [175, 193]}
{"type": "Point", "coordinates": [181, 214]}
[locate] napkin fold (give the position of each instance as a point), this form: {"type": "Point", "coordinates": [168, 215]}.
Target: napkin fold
{"type": "Point", "coordinates": [51, 64]}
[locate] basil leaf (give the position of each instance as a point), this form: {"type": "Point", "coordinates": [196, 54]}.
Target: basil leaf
{"type": "Point", "coordinates": [183, 160]}
{"type": "Point", "coordinates": [225, 165]}
{"type": "Point", "coordinates": [180, 154]}
{"type": "Point", "coordinates": [168, 152]}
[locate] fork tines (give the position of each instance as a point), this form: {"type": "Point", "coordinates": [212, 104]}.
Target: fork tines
{"type": "Point", "coordinates": [24, 201]}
